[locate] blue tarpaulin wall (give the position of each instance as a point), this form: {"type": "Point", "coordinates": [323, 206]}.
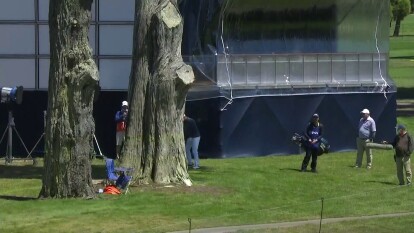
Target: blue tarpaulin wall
{"type": "Point", "coordinates": [253, 126]}
{"type": "Point", "coordinates": [259, 126]}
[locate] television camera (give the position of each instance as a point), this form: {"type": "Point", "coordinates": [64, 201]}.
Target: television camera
{"type": "Point", "coordinates": [12, 95]}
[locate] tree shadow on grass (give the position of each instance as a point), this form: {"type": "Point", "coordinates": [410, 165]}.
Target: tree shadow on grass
{"type": "Point", "coordinates": [14, 198]}
{"type": "Point", "coordinates": [202, 169]}
{"type": "Point", "coordinates": [290, 169]}
{"type": "Point", "coordinates": [402, 57]}
{"type": "Point", "coordinates": [18, 171]}
{"type": "Point", "coordinates": [405, 93]}
{"type": "Point", "coordinates": [381, 182]}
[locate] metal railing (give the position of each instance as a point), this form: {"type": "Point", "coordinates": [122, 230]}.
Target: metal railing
{"type": "Point", "coordinates": [301, 69]}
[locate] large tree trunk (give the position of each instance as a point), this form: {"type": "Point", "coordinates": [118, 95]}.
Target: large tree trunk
{"type": "Point", "coordinates": [73, 78]}
{"type": "Point", "coordinates": [158, 86]}
{"type": "Point", "coordinates": [397, 27]}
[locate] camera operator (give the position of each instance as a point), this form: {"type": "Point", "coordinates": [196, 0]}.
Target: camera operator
{"type": "Point", "coordinates": [121, 124]}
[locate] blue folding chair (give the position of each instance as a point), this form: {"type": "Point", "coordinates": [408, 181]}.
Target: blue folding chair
{"type": "Point", "coordinates": [111, 175]}
{"type": "Point", "coordinates": [118, 176]}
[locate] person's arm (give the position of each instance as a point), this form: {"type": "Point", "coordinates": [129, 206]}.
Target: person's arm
{"type": "Point", "coordinates": [320, 132]}
{"type": "Point", "coordinates": [185, 129]}
{"type": "Point", "coordinates": [373, 133]}
{"type": "Point", "coordinates": [124, 115]}
{"type": "Point", "coordinates": [307, 132]}
{"type": "Point", "coordinates": [195, 129]}
{"type": "Point", "coordinates": [410, 144]}
{"type": "Point", "coordinates": [373, 130]}
{"type": "Point", "coordinates": [395, 141]}
{"type": "Point", "coordinates": [118, 117]}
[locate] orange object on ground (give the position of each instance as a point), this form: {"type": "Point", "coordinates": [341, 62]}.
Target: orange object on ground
{"type": "Point", "coordinates": [111, 189]}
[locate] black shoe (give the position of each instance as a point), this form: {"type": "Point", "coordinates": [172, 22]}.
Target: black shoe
{"type": "Point", "coordinates": [314, 171]}
{"type": "Point", "coordinates": [303, 170]}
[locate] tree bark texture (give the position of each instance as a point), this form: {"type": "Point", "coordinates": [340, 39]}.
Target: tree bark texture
{"type": "Point", "coordinates": [158, 86]}
{"type": "Point", "coordinates": [73, 78]}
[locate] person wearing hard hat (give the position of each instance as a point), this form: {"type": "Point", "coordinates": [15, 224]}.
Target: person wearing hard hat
{"type": "Point", "coordinates": [366, 133]}
{"type": "Point", "coordinates": [121, 124]}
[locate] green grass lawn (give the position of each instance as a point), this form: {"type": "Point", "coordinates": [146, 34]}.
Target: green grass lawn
{"type": "Point", "coordinates": [225, 192]}
{"type": "Point", "coordinates": [402, 54]}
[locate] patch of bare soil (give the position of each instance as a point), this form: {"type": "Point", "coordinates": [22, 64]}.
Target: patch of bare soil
{"type": "Point", "coordinates": [212, 190]}
{"type": "Point", "coordinates": [171, 188]}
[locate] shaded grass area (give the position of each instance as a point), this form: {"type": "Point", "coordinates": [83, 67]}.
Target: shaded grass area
{"type": "Point", "coordinates": [405, 93]}
{"type": "Point", "coordinates": [225, 192]}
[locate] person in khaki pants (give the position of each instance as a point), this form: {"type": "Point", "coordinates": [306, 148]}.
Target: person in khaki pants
{"type": "Point", "coordinates": [366, 133]}
{"type": "Point", "coordinates": [403, 145]}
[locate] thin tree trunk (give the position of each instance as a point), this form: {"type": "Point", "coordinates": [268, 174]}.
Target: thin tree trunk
{"type": "Point", "coordinates": [397, 27]}
{"type": "Point", "coordinates": [73, 78]}
{"type": "Point", "coordinates": [158, 86]}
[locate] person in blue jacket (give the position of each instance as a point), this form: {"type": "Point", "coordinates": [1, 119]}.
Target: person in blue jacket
{"type": "Point", "coordinates": [121, 118]}
{"type": "Point", "coordinates": [313, 136]}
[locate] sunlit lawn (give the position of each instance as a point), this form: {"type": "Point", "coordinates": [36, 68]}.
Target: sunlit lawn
{"type": "Point", "coordinates": [225, 192]}
{"type": "Point", "coordinates": [402, 55]}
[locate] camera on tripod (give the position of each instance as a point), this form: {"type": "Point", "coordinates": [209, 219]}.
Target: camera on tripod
{"type": "Point", "coordinates": [12, 95]}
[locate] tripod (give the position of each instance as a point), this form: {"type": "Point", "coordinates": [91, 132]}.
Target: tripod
{"type": "Point", "coordinates": [43, 134]}
{"type": "Point", "coordinates": [11, 126]}
{"type": "Point", "coordinates": [100, 155]}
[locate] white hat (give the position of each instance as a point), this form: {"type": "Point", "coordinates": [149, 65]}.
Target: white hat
{"type": "Point", "coordinates": [366, 111]}
{"type": "Point", "coordinates": [124, 103]}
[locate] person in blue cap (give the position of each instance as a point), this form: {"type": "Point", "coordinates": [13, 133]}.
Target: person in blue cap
{"type": "Point", "coordinates": [403, 146]}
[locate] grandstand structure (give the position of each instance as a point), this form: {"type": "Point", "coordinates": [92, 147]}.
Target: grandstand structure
{"type": "Point", "coordinates": [262, 69]}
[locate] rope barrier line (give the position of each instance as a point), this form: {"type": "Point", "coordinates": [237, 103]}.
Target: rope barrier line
{"type": "Point", "coordinates": [324, 200]}
{"type": "Point", "coordinates": [238, 228]}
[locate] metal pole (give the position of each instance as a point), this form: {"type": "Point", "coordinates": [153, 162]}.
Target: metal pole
{"type": "Point", "coordinates": [10, 139]}
{"type": "Point", "coordinates": [97, 144]}
{"type": "Point", "coordinates": [189, 221]}
{"type": "Point", "coordinates": [320, 223]}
